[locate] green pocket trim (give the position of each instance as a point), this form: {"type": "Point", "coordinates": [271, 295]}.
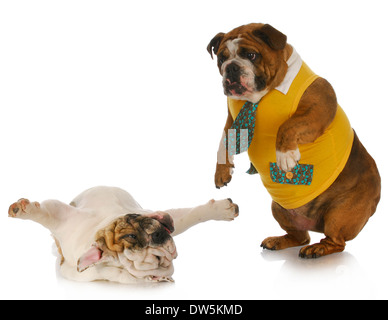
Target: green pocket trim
{"type": "Point", "coordinates": [301, 174]}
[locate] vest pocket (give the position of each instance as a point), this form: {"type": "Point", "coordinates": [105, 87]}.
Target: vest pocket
{"type": "Point", "coordinates": [301, 174]}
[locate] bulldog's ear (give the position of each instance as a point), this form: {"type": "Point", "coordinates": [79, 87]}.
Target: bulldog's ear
{"type": "Point", "coordinates": [215, 44]}
{"type": "Point", "coordinates": [274, 38]}
{"type": "Point", "coordinates": [89, 258]}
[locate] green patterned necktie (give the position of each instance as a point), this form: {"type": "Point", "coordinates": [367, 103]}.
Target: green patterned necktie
{"type": "Point", "coordinates": [240, 134]}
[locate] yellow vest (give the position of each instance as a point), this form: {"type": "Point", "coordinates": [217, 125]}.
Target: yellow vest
{"type": "Point", "coordinates": [325, 157]}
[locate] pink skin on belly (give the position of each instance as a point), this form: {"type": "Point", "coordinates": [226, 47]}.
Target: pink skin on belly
{"type": "Point", "coordinates": [301, 222]}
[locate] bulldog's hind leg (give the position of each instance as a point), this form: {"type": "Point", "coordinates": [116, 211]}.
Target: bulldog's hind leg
{"type": "Point", "coordinates": [337, 231]}
{"type": "Point", "coordinates": [47, 213]}
{"type": "Point", "coordinates": [349, 203]}
{"type": "Point", "coordinates": [343, 222]}
{"type": "Point", "coordinates": [295, 225]}
{"type": "Point", "coordinates": [24, 209]}
{"type": "Point", "coordinates": [213, 210]}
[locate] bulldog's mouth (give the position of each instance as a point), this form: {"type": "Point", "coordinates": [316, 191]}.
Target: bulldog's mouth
{"type": "Point", "coordinates": [167, 228]}
{"type": "Point", "coordinates": [234, 88]}
{"type": "Point", "coordinates": [165, 220]}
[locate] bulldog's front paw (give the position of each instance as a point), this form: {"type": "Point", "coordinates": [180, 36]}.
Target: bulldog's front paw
{"type": "Point", "coordinates": [287, 160]}
{"type": "Point", "coordinates": [224, 210]}
{"type": "Point", "coordinates": [22, 207]}
{"type": "Point", "coordinates": [223, 175]}
{"type": "Point", "coordinates": [283, 242]}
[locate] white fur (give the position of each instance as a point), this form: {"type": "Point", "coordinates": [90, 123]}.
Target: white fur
{"type": "Point", "coordinates": [248, 75]}
{"type": "Point", "coordinates": [287, 160]}
{"type": "Point", "coordinates": [232, 46]}
{"type": "Point", "coordinates": [75, 226]}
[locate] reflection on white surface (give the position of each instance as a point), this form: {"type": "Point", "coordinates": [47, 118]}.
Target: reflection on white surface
{"type": "Point", "coordinates": [336, 276]}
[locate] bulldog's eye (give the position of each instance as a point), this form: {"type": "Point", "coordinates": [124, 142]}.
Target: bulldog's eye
{"type": "Point", "coordinates": [129, 236]}
{"type": "Point", "coordinates": [252, 56]}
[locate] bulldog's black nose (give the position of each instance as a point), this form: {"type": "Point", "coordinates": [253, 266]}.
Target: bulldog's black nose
{"type": "Point", "coordinates": [232, 69]}
{"type": "Point", "coordinates": [160, 236]}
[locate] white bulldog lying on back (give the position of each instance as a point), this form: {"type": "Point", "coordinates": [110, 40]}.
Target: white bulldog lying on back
{"type": "Point", "coordinates": [104, 234]}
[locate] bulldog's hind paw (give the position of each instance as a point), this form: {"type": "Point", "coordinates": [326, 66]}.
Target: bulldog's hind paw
{"type": "Point", "coordinates": [223, 209]}
{"type": "Point", "coordinates": [325, 247]}
{"type": "Point", "coordinates": [22, 207]}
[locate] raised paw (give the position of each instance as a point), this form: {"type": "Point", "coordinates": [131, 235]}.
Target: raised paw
{"type": "Point", "coordinates": [287, 160]}
{"type": "Point", "coordinates": [223, 209]}
{"type": "Point", "coordinates": [21, 207]}
{"type": "Point", "coordinates": [223, 175]}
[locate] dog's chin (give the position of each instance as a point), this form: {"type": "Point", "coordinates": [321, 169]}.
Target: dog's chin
{"type": "Point", "coordinates": [239, 91]}
{"type": "Point", "coordinates": [236, 90]}
{"type": "Point", "coordinates": [246, 95]}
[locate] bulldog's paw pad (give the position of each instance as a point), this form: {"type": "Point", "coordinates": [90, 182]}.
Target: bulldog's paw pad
{"type": "Point", "coordinates": [22, 206]}
{"type": "Point", "coordinates": [314, 251]}
{"type": "Point", "coordinates": [224, 209]}
{"type": "Point", "coordinates": [272, 243]}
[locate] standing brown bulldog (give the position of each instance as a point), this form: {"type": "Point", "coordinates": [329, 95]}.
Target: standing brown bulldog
{"type": "Point", "coordinates": [298, 138]}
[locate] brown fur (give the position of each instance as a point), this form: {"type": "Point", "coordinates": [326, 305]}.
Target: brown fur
{"type": "Point", "coordinates": [223, 176]}
{"type": "Point", "coordinates": [59, 251]}
{"type": "Point", "coordinates": [344, 208]}
{"type": "Point", "coordinates": [316, 110]}
{"type": "Point", "coordinates": [132, 231]}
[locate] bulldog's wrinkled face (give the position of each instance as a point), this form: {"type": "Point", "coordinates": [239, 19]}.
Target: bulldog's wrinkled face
{"type": "Point", "coordinates": [239, 66]}
{"type": "Point", "coordinates": [250, 60]}
{"type": "Point", "coordinates": [133, 232]}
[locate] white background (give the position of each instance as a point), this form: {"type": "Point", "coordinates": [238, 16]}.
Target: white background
{"type": "Point", "coordinates": [123, 93]}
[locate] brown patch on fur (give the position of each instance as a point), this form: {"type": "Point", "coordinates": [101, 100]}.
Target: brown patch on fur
{"type": "Point", "coordinates": [134, 232]}
{"type": "Point", "coordinates": [125, 233]}
{"type": "Point", "coordinates": [59, 251]}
